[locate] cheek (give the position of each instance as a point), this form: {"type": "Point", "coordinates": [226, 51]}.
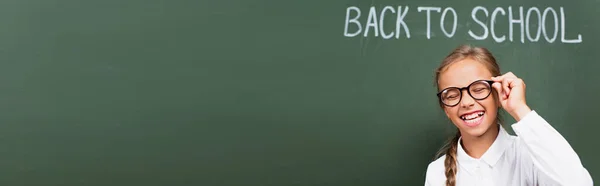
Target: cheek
{"type": "Point", "coordinates": [451, 112]}
{"type": "Point", "coordinates": [489, 104]}
{"type": "Point", "coordinates": [491, 108]}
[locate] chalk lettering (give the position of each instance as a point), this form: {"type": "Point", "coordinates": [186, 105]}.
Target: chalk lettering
{"type": "Point", "coordinates": [371, 22]}
{"type": "Point", "coordinates": [449, 35]}
{"type": "Point", "coordinates": [549, 9]}
{"type": "Point", "coordinates": [400, 22]}
{"type": "Point", "coordinates": [517, 21]}
{"type": "Point", "coordinates": [493, 22]}
{"type": "Point", "coordinates": [485, 29]}
{"type": "Point", "coordinates": [528, 23]}
{"type": "Point", "coordinates": [562, 29]}
{"type": "Point", "coordinates": [381, 17]}
{"type": "Point", "coordinates": [535, 24]}
{"type": "Point", "coordinates": [353, 20]}
{"type": "Point", "coordinates": [429, 9]}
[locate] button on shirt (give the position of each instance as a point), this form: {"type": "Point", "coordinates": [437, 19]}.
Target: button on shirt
{"type": "Point", "coordinates": [538, 155]}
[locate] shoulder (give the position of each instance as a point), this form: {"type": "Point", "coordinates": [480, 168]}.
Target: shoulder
{"type": "Point", "coordinates": [436, 172]}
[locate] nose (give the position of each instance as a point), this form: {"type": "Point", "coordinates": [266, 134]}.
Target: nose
{"type": "Point", "coordinates": [466, 100]}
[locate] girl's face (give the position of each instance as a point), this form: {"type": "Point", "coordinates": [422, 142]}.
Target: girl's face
{"type": "Point", "coordinates": [472, 117]}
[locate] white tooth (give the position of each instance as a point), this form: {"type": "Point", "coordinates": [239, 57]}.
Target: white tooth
{"type": "Point", "coordinates": [471, 116]}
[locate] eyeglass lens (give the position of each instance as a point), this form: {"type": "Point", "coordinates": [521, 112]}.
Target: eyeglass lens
{"type": "Point", "coordinates": [478, 90]}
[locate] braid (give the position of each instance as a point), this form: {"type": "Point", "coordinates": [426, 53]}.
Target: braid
{"type": "Point", "coordinates": [450, 162]}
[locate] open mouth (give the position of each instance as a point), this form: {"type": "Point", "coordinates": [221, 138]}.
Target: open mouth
{"type": "Point", "coordinates": [473, 119]}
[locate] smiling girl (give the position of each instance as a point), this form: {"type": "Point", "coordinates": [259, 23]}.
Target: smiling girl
{"type": "Point", "coordinates": [471, 91]}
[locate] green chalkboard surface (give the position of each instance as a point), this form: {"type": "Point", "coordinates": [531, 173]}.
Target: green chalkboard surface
{"type": "Point", "coordinates": [268, 92]}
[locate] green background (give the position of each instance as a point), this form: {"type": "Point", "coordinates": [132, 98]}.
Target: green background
{"type": "Point", "coordinates": [260, 93]}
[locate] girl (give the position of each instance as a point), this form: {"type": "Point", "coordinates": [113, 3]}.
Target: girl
{"type": "Point", "coordinates": [471, 92]}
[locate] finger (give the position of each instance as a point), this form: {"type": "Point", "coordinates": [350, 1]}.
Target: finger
{"type": "Point", "coordinates": [518, 82]}
{"type": "Point", "coordinates": [505, 85]}
{"type": "Point", "coordinates": [504, 76]}
{"type": "Point", "coordinates": [500, 82]}
{"type": "Point", "coordinates": [498, 78]}
{"type": "Point", "coordinates": [510, 75]}
{"type": "Point", "coordinates": [498, 88]}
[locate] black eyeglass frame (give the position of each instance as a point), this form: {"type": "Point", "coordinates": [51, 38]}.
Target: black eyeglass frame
{"type": "Point", "coordinates": [460, 90]}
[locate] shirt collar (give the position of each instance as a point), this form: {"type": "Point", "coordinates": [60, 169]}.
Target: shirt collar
{"type": "Point", "coordinates": [490, 157]}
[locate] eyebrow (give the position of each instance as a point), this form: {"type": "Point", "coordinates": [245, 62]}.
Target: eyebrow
{"type": "Point", "coordinates": [477, 79]}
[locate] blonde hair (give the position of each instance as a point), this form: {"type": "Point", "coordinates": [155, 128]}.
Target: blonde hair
{"type": "Point", "coordinates": [462, 52]}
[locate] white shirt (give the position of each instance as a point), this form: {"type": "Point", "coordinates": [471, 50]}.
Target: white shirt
{"type": "Point", "coordinates": [538, 156]}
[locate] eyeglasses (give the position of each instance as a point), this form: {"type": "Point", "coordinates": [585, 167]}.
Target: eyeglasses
{"type": "Point", "coordinates": [478, 90]}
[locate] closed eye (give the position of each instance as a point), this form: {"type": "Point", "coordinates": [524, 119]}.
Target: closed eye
{"type": "Point", "coordinates": [479, 90]}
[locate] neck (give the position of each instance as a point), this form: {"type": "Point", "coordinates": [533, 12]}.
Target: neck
{"type": "Point", "coordinates": [476, 146]}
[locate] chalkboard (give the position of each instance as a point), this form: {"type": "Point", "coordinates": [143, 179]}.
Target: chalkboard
{"type": "Point", "coordinates": [267, 92]}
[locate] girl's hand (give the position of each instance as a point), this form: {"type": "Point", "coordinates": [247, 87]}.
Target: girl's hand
{"type": "Point", "coordinates": [511, 93]}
